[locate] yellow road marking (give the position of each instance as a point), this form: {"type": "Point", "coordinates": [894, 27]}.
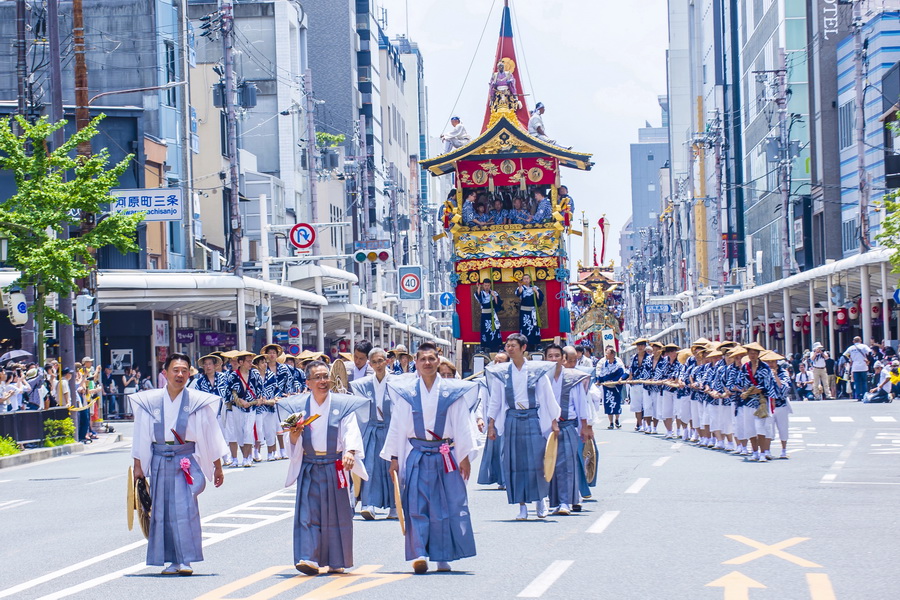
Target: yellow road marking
{"type": "Point", "coordinates": [737, 585]}
{"type": "Point", "coordinates": [362, 578]}
{"type": "Point", "coordinates": [819, 586]}
{"type": "Point", "coordinates": [341, 585]}
{"type": "Point", "coordinates": [766, 549]}
{"type": "Point", "coordinates": [228, 588]}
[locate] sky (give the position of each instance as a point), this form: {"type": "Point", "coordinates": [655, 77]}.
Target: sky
{"type": "Point", "coordinates": [597, 65]}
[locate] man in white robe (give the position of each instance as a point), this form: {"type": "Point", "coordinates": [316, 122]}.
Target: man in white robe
{"type": "Point", "coordinates": [177, 444]}
{"type": "Point", "coordinates": [431, 444]}
{"type": "Point", "coordinates": [457, 137]}
{"type": "Point", "coordinates": [322, 456]}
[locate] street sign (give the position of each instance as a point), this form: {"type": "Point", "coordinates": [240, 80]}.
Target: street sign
{"type": "Point", "coordinates": [410, 283]}
{"type": "Point", "coordinates": [302, 236]}
{"type": "Point", "coordinates": [372, 245]}
{"type": "Point", "coordinates": [657, 309]}
{"type": "Point", "coordinates": [447, 299]}
{"type": "Point", "coordinates": [897, 296]}
{"type": "Point", "coordinates": [294, 349]}
{"type": "Point", "coordinates": [157, 204]}
{"type": "Point", "coordinates": [294, 332]}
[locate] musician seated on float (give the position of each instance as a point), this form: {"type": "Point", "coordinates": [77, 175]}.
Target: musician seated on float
{"type": "Point", "coordinates": [518, 215]}
{"type": "Point", "coordinates": [481, 218]}
{"type": "Point", "coordinates": [498, 214]}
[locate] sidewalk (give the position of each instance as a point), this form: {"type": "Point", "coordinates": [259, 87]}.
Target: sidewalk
{"type": "Point", "coordinates": [104, 442]}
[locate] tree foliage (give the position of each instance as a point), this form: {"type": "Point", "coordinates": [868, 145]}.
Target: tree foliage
{"type": "Point", "coordinates": [52, 188]}
{"type": "Point", "coordinates": [329, 140]}
{"type": "Point", "coordinates": [889, 236]}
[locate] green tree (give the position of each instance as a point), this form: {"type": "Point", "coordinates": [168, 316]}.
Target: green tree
{"type": "Point", "coordinates": [889, 236]}
{"type": "Point", "coordinates": [329, 140]}
{"type": "Point", "coordinates": [51, 187]}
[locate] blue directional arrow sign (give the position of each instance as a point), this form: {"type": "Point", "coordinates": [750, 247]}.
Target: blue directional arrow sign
{"type": "Point", "coordinates": [447, 299]}
{"type": "Point", "coordinates": [897, 296]}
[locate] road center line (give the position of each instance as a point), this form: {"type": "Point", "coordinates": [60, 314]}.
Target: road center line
{"type": "Point", "coordinates": [543, 581]}
{"type": "Point", "coordinates": [842, 457]}
{"type": "Point", "coordinates": [661, 461]}
{"type": "Point", "coordinates": [104, 479]}
{"type": "Point", "coordinates": [637, 485]}
{"type": "Point", "coordinates": [603, 522]}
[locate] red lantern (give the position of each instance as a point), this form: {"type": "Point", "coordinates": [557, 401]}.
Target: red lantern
{"type": "Point", "coordinates": [772, 329]}
{"type": "Point", "coordinates": [797, 323]}
{"type": "Point", "coordinates": [779, 326]}
{"type": "Point", "coordinates": [806, 323]}
{"type": "Point", "coordinates": [876, 311]}
{"type": "Point", "coordinates": [841, 317]}
{"type": "Point", "coordinates": [853, 312]}
{"type": "Point", "coordinates": [755, 330]}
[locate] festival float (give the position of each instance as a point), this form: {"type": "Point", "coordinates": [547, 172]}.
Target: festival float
{"type": "Point", "coordinates": [506, 163]}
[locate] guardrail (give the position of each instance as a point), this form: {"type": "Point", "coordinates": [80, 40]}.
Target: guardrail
{"type": "Point", "coordinates": [27, 426]}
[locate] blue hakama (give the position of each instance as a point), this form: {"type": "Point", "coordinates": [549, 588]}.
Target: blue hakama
{"type": "Point", "coordinates": [523, 457]}
{"type": "Point", "coordinates": [378, 491]}
{"type": "Point", "coordinates": [491, 470]}
{"type": "Point", "coordinates": [323, 531]}
{"type": "Point", "coordinates": [175, 535]}
{"type": "Point", "coordinates": [564, 487]}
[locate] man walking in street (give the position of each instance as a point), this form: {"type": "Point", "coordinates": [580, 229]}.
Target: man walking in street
{"type": "Point", "coordinates": [524, 411]}
{"type": "Point", "coordinates": [431, 443]}
{"type": "Point", "coordinates": [858, 355]}
{"type": "Point", "coordinates": [178, 444]}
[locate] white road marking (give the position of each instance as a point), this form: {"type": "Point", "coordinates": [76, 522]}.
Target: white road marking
{"type": "Point", "coordinates": [637, 485]}
{"type": "Point", "coordinates": [105, 479]}
{"type": "Point", "coordinates": [793, 419]}
{"type": "Point", "coordinates": [603, 522]}
{"type": "Point", "coordinates": [677, 445]}
{"type": "Point", "coordinates": [14, 503]}
{"type": "Point", "coordinates": [841, 419]}
{"type": "Point", "coordinates": [661, 461]}
{"type": "Point", "coordinates": [884, 419]}
{"type": "Point", "coordinates": [543, 581]}
{"type": "Point", "coordinates": [16, 590]}
{"type": "Point", "coordinates": [842, 457]}
{"type": "Point", "coordinates": [828, 477]}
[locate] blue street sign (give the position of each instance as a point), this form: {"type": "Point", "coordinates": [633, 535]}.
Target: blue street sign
{"type": "Point", "coordinates": [447, 299]}
{"type": "Point", "coordinates": [897, 296]}
{"type": "Point", "coordinates": [657, 308]}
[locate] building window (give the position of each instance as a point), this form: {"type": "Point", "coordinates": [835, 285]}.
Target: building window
{"type": "Point", "coordinates": [171, 73]}
{"type": "Point", "coordinates": [849, 235]}
{"type": "Point", "coordinates": [846, 124]}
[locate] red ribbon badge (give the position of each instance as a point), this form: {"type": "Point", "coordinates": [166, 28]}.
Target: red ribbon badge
{"type": "Point", "coordinates": [341, 474]}
{"type": "Point", "coordinates": [186, 467]}
{"type": "Point", "coordinates": [449, 464]}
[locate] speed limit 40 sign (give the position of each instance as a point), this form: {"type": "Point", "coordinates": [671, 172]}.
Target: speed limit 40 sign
{"type": "Point", "coordinates": [410, 283]}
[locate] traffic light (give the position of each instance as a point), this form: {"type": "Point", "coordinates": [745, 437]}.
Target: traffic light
{"type": "Point", "coordinates": [383, 255]}
{"type": "Point", "coordinates": [85, 309]}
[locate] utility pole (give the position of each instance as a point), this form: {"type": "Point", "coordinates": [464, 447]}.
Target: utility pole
{"type": "Point", "coordinates": [311, 148]}
{"type": "Point", "coordinates": [231, 133]}
{"type": "Point", "coordinates": [720, 251]}
{"type": "Point", "coordinates": [28, 337]}
{"type": "Point", "coordinates": [82, 120]}
{"type": "Point", "coordinates": [784, 162]}
{"type": "Point", "coordinates": [365, 270]}
{"type": "Point", "coordinates": [861, 171]}
{"type": "Point", "coordinates": [65, 331]}
{"type": "Point", "coordinates": [21, 56]}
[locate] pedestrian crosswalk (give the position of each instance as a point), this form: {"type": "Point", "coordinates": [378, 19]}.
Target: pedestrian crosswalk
{"type": "Point", "coordinates": [846, 419]}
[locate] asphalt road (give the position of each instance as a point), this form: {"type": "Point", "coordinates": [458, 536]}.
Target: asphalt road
{"type": "Point", "coordinates": [668, 520]}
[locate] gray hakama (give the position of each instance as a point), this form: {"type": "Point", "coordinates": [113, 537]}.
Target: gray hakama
{"type": "Point", "coordinates": [491, 469]}
{"type": "Point", "coordinates": [523, 455]}
{"type": "Point", "coordinates": [564, 487]}
{"type": "Point", "coordinates": [175, 535]}
{"type": "Point", "coordinates": [438, 524]}
{"type": "Point", "coordinates": [323, 520]}
{"type": "Point", "coordinates": [569, 470]}
{"type": "Point", "coordinates": [378, 491]}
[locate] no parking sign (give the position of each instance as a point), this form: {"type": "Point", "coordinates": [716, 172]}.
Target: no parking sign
{"type": "Point", "coordinates": [410, 283]}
